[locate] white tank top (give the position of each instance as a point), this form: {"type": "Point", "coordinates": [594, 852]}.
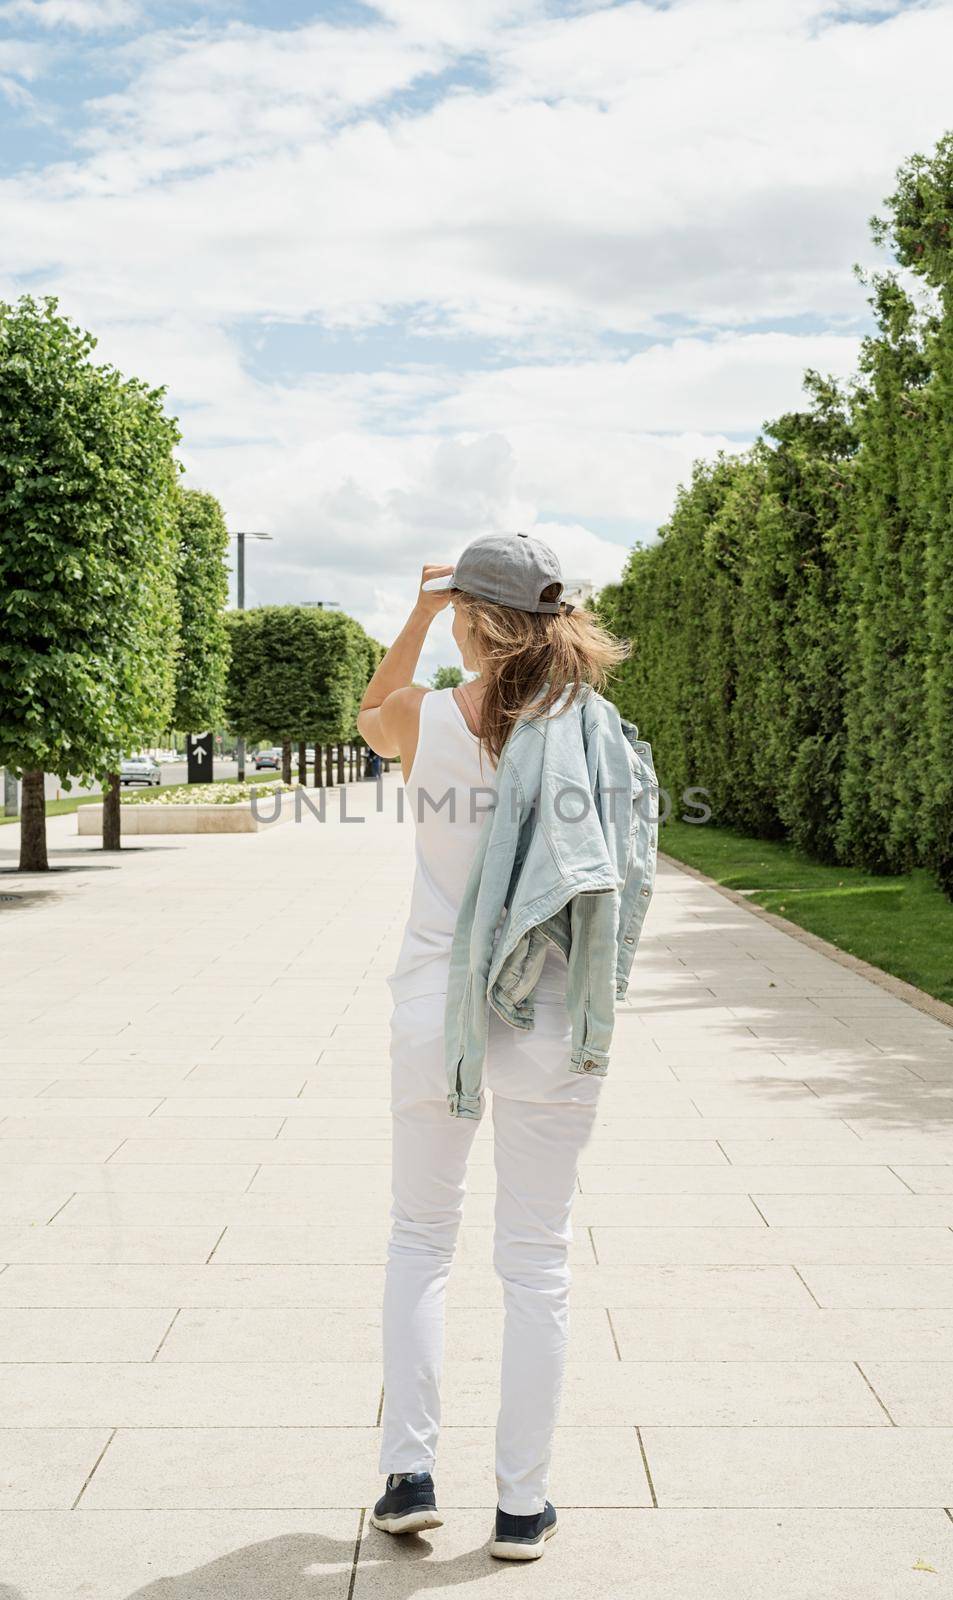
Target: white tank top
{"type": "Point", "coordinates": [447, 794]}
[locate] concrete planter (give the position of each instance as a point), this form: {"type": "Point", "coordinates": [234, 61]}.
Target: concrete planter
{"type": "Point", "coordinates": [152, 818]}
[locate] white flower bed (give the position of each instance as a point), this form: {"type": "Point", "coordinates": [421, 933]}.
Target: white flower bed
{"type": "Point", "coordinates": [207, 794]}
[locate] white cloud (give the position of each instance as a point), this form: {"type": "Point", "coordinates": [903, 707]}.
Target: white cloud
{"type": "Point", "coordinates": [346, 493]}
{"type": "Point", "coordinates": [20, 59]}
{"type": "Point", "coordinates": [731, 383]}
{"type": "Point", "coordinates": [705, 167]}
{"type": "Point", "coordinates": [87, 16]}
{"type": "Point", "coordinates": [718, 160]}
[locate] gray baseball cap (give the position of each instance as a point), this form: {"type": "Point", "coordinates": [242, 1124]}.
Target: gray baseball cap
{"type": "Point", "coordinates": [509, 569]}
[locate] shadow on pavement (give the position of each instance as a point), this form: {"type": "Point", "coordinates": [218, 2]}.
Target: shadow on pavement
{"type": "Point", "coordinates": [88, 861]}
{"type": "Point", "coordinates": [313, 1566]}
{"type": "Point", "coordinates": [289, 1568]}
{"type": "Point", "coordinates": [27, 897]}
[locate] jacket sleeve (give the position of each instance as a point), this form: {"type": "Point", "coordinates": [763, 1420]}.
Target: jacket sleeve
{"type": "Point", "coordinates": [595, 916]}
{"type": "Point", "coordinates": [590, 998]}
{"type": "Point", "coordinates": [466, 1016]}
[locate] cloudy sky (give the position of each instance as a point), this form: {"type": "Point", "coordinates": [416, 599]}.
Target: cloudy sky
{"type": "Point", "coordinates": [417, 270]}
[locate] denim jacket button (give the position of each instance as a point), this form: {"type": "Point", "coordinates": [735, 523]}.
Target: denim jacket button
{"type": "Point", "coordinates": [587, 1066]}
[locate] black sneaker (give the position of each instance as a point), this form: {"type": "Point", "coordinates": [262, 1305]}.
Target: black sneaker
{"type": "Point", "coordinates": [523, 1538]}
{"type": "Point", "coordinates": [408, 1504]}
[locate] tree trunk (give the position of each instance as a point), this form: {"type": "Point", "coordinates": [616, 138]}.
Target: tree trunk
{"type": "Point", "coordinates": [286, 760]}
{"type": "Point", "coordinates": [33, 856]}
{"type": "Point", "coordinates": [342, 776]}
{"type": "Point", "coordinates": [317, 765]}
{"type": "Point", "coordinates": [302, 763]}
{"type": "Point", "coordinates": [329, 765]}
{"type": "Point", "coordinates": [112, 818]}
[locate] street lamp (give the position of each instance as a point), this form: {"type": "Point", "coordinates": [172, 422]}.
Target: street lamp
{"type": "Point", "coordinates": [241, 536]}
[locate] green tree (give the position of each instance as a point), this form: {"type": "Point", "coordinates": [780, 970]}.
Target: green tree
{"type": "Point", "coordinates": [919, 226]}
{"type": "Point", "coordinates": [446, 678]}
{"type": "Point", "coordinates": [885, 687]}
{"type": "Point", "coordinates": [791, 627]}
{"type": "Point", "coordinates": [203, 596]}
{"type": "Point", "coordinates": [88, 609]}
{"type": "Point", "coordinates": [296, 672]}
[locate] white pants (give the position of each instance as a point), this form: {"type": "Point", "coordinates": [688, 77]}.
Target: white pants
{"type": "Point", "coordinates": [542, 1117]}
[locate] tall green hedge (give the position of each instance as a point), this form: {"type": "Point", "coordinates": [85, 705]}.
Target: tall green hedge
{"type": "Point", "coordinates": [791, 629]}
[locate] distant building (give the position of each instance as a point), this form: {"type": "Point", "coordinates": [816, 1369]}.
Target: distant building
{"type": "Point", "coordinates": [578, 590]}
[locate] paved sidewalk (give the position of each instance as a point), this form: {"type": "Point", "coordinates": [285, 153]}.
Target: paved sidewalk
{"type": "Point", "coordinates": [193, 1205]}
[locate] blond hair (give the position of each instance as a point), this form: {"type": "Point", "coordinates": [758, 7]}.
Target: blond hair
{"type": "Point", "coordinates": [533, 656]}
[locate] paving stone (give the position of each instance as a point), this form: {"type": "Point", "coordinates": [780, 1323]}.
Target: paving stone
{"type": "Point", "coordinates": [848, 1152]}
{"type": "Point", "coordinates": [742, 1180]}
{"type": "Point", "coordinates": [794, 1334]}
{"type": "Point", "coordinates": [190, 1468]}
{"type": "Point", "coordinates": [916, 1392]}
{"type": "Point", "coordinates": [184, 1395]}
{"type": "Point", "coordinates": [696, 1392]}
{"type": "Point", "coordinates": [143, 1286]}
{"type": "Point", "coordinates": [856, 1211]}
{"type": "Point", "coordinates": [923, 1285]}
{"type": "Point", "coordinates": [36, 1205]}
{"type": "Point", "coordinates": [197, 1555]}
{"type": "Point", "coordinates": [107, 1245]}
{"type": "Point", "coordinates": [272, 1152]}
{"type": "Point", "coordinates": [294, 1243]}
{"type": "Point", "coordinates": [47, 1467]}
{"type": "Point", "coordinates": [665, 1210]}
{"type": "Point", "coordinates": [826, 1245]}
{"type": "Point", "coordinates": [927, 1180]}
{"type": "Point", "coordinates": [316, 1334]}
{"type": "Point", "coordinates": [53, 1108]}
{"type": "Point", "coordinates": [766, 1126]}
{"type": "Point", "coordinates": [678, 1554]}
{"type": "Point", "coordinates": [45, 1334]}
{"type": "Point", "coordinates": [789, 1467]}
{"type": "Point", "coordinates": [40, 1151]}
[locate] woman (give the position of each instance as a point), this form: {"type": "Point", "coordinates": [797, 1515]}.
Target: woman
{"type": "Point", "coordinates": [528, 650]}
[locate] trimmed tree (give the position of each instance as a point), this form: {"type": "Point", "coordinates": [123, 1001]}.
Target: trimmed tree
{"type": "Point", "coordinates": [88, 609]}
{"type": "Point", "coordinates": [296, 672]}
{"type": "Point", "coordinates": [919, 227]}
{"type": "Point", "coordinates": [203, 596]}
{"type": "Point", "coordinates": [791, 628]}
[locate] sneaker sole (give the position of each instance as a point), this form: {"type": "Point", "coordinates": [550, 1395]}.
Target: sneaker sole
{"type": "Point", "coordinates": [507, 1550]}
{"type": "Point", "coordinates": [411, 1522]}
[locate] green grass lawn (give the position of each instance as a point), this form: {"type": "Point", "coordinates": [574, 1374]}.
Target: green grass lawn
{"type": "Point", "coordinates": [903, 925]}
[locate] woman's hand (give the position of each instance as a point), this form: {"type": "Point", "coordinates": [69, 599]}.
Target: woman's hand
{"type": "Point", "coordinates": [429, 604]}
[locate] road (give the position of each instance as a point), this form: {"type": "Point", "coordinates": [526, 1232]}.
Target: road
{"type": "Point", "coordinates": [172, 772]}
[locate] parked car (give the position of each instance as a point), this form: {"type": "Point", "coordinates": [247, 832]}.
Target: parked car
{"type": "Point", "coordinates": [140, 769]}
{"type": "Point", "coordinates": [268, 758]}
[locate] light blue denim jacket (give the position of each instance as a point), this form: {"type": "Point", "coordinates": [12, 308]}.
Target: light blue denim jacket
{"type": "Point", "coordinates": [566, 857]}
